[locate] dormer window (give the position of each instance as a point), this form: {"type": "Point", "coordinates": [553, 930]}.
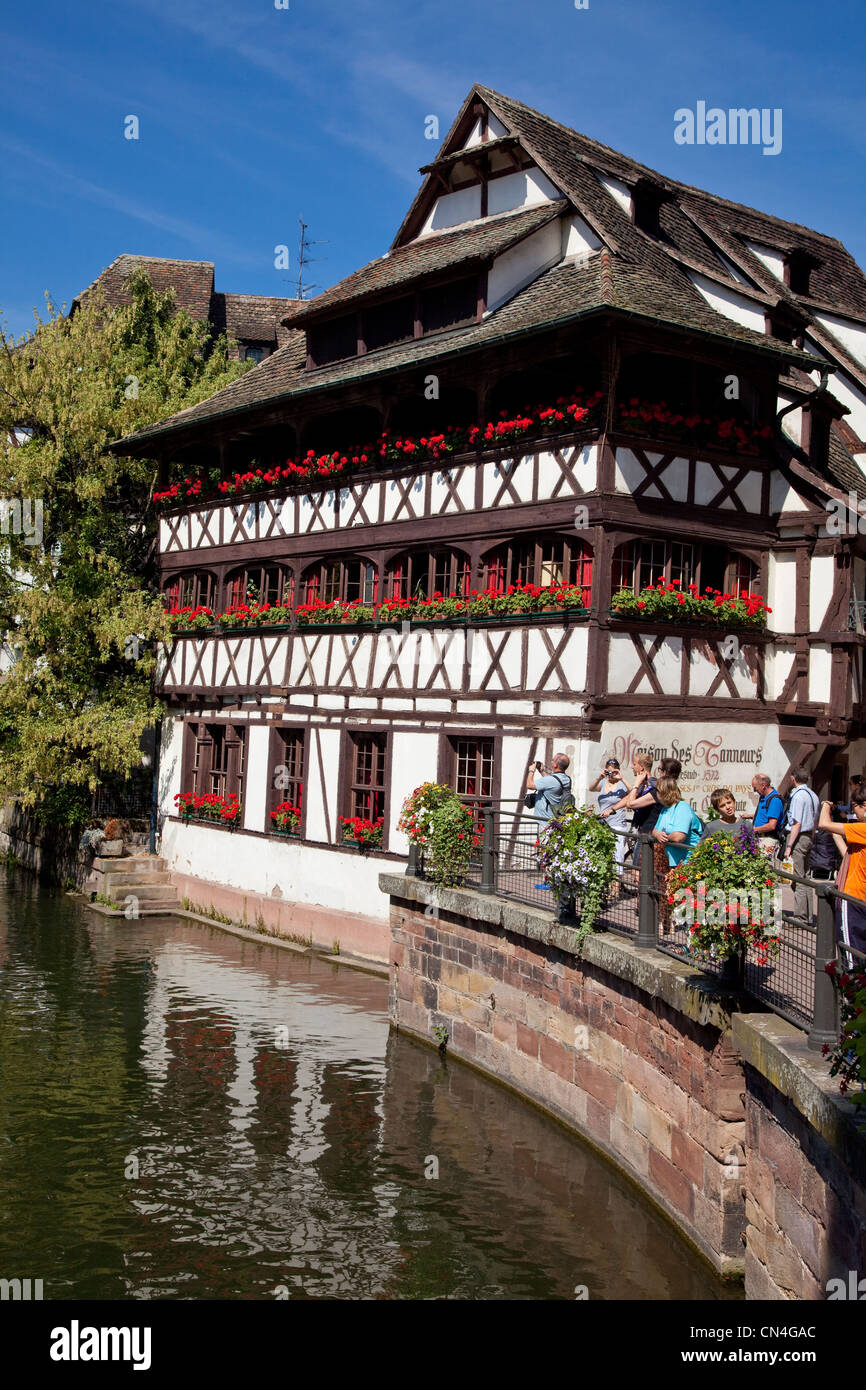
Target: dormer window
{"type": "Point", "coordinates": [646, 200]}
{"type": "Point", "coordinates": [798, 271]}
{"type": "Point", "coordinates": [785, 323]}
{"type": "Point", "coordinates": [436, 309]}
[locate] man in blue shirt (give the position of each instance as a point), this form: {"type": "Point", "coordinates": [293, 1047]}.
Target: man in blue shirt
{"type": "Point", "coordinates": [551, 788]}
{"type": "Point", "coordinates": [769, 810]}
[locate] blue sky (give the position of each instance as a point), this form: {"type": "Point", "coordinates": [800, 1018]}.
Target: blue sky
{"type": "Point", "coordinates": [252, 116]}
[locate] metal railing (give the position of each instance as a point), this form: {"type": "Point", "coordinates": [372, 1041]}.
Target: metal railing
{"type": "Point", "coordinates": [794, 983]}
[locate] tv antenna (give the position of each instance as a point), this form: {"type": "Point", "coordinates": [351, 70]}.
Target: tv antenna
{"type": "Point", "coordinates": [305, 260]}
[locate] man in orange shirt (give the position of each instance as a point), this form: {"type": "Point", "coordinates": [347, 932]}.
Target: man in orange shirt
{"type": "Point", "coordinates": [850, 919]}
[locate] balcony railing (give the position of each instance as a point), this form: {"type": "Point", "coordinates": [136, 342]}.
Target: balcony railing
{"type": "Point", "coordinates": [793, 984]}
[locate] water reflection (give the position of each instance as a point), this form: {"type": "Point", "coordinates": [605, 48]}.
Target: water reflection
{"type": "Point", "coordinates": [187, 1115]}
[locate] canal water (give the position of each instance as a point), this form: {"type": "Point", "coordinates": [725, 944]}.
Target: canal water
{"type": "Point", "coordinates": [188, 1115]}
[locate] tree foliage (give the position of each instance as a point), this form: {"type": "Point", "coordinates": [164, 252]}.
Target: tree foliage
{"type": "Point", "coordinates": [78, 595]}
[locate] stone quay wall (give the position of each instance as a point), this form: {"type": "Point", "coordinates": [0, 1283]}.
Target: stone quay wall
{"type": "Point", "coordinates": [723, 1118]}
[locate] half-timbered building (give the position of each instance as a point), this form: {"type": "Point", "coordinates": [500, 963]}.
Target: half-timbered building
{"type": "Point", "coordinates": [718, 358]}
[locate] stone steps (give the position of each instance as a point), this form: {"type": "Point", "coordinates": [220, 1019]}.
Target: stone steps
{"type": "Point", "coordinates": [141, 888]}
{"type": "Point", "coordinates": [141, 877]}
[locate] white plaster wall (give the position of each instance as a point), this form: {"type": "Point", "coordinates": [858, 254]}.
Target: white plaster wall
{"type": "Point", "coordinates": [844, 389]}
{"type": "Point", "coordinates": [495, 126]}
{"type": "Point", "coordinates": [522, 263]}
{"type": "Point", "coordinates": [474, 136]}
{"type": "Point", "coordinates": [344, 880]}
{"type": "Point", "coordinates": [258, 776]}
{"type": "Point", "coordinates": [321, 783]}
{"type": "Point", "coordinates": [578, 237]}
{"type": "Point", "coordinates": [413, 761]}
{"type": "Point", "coordinates": [525, 188]}
{"type": "Point", "coordinates": [452, 209]}
{"type": "Point", "coordinates": [820, 665]}
{"type": "Point", "coordinates": [734, 306]}
{"type": "Point", "coordinates": [770, 257]}
{"type": "Point", "coordinates": [779, 661]}
{"type": "Point", "coordinates": [783, 498]}
{"type": "Point", "coordinates": [572, 659]}
{"type": "Point", "coordinates": [850, 334]}
{"type": "Point", "coordinates": [618, 190]}
{"type": "Point", "coordinates": [792, 423]}
{"type": "Point", "coordinates": [782, 592]}
{"type": "Point", "coordinates": [822, 572]}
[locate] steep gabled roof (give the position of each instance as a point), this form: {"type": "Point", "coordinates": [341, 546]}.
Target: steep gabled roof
{"type": "Point", "coordinates": [691, 219]}
{"type": "Point", "coordinates": [634, 273]}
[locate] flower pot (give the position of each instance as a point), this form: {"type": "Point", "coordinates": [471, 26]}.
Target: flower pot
{"type": "Point", "coordinates": [567, 912]}
{"type": "Point", "coordinates": [111, 849]}
{"type": "Point", "coordinates": [733, 972]}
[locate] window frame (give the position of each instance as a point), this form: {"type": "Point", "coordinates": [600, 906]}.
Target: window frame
{"type": "Point", "coordinates": [349, 786]}
{"type": "Point", "coordinates": [312, 579]}
{"type": "Point", "coordinates": [197, 772]}
{"type": "Point", "coordinates": [459, 567]}
{"type": "Point", "coordinates": [520, 568]}
{"type": "Point", "coordinates": [182, 577]}
{"type": "Point", "coordinates": [286, 582]}
{"type": "Point", "coordinates": [276, 747]}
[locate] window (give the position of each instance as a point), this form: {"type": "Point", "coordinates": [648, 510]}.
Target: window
{"type": "Point", "coordinates": [646, 202]}
{"type": "Point", "coordinates": [473, 767]}
{"type": "Point", "coordinates": [259, 584]}
{"type": "Point", "coordinates": [639, 563]}
{"type": "Point", "coordinates": [449, 306]}
{"type": "Point", "coordinates": [334, 340]}
{"type": "Point", "coordinates": [255, 353]}
{"type": "Point", "coordinates": [367, 784]}
{"type": "Point", "coordinates": [287, 760]}
{"type": "Point", "coordinates": [384, 324]}
{"type": "Point", "coordinates": [543, 560]}
{"type": "Point", "coordinates": [422, 573]}
{"type": "Point", "coordinates": [743, 575]}
{"type": "Point", "coordinates": [349, 580]}
{"type": "Point", "coordinates": [194, 589]}
{"type": "Point", "coordinates": [798, 272]}
{"type": "Point", "coordinates": [216, 759]}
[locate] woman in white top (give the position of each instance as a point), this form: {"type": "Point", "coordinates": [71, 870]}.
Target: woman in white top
{"type": "Point", "coordinates": [611, 791]}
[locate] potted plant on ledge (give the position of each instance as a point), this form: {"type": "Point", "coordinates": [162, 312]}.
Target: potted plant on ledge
{"type": "Point", "coordinates": [576, 855]}
{"type": "Point", "coordinates": [435, 819]}
{"type": "Point", "coordinates": [725, 892]}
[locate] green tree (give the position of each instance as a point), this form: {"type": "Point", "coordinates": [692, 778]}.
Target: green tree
{"type": "Point", "coordinates": [77, 558]}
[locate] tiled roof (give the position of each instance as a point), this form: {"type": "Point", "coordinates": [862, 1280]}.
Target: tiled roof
{"type": "Point", "coordinates": [249, 317]}
{"type": "Point", "coordinates": [566, 292]}
{"type": "Point", "coordinates": [434, 253]}
{"type": "Point", "coordinates": [192, 282]}
{"type": "Point", "coordinates": [837, 280]}
{"type": "Point", "coordinates": [252, 317]}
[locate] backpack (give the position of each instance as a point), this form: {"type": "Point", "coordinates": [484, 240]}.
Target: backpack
{"type": "Point", "coordinates": [567, 798]}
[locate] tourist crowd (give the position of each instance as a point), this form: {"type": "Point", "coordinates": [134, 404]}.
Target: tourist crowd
{"type": "Point", "coordinates": [808, 837]}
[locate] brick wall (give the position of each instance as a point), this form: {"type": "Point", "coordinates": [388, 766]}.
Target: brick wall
{"type": "Point", "coordinates": [660, 1093]}
{"type": "Point", "coordinates": [724, 1119]}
